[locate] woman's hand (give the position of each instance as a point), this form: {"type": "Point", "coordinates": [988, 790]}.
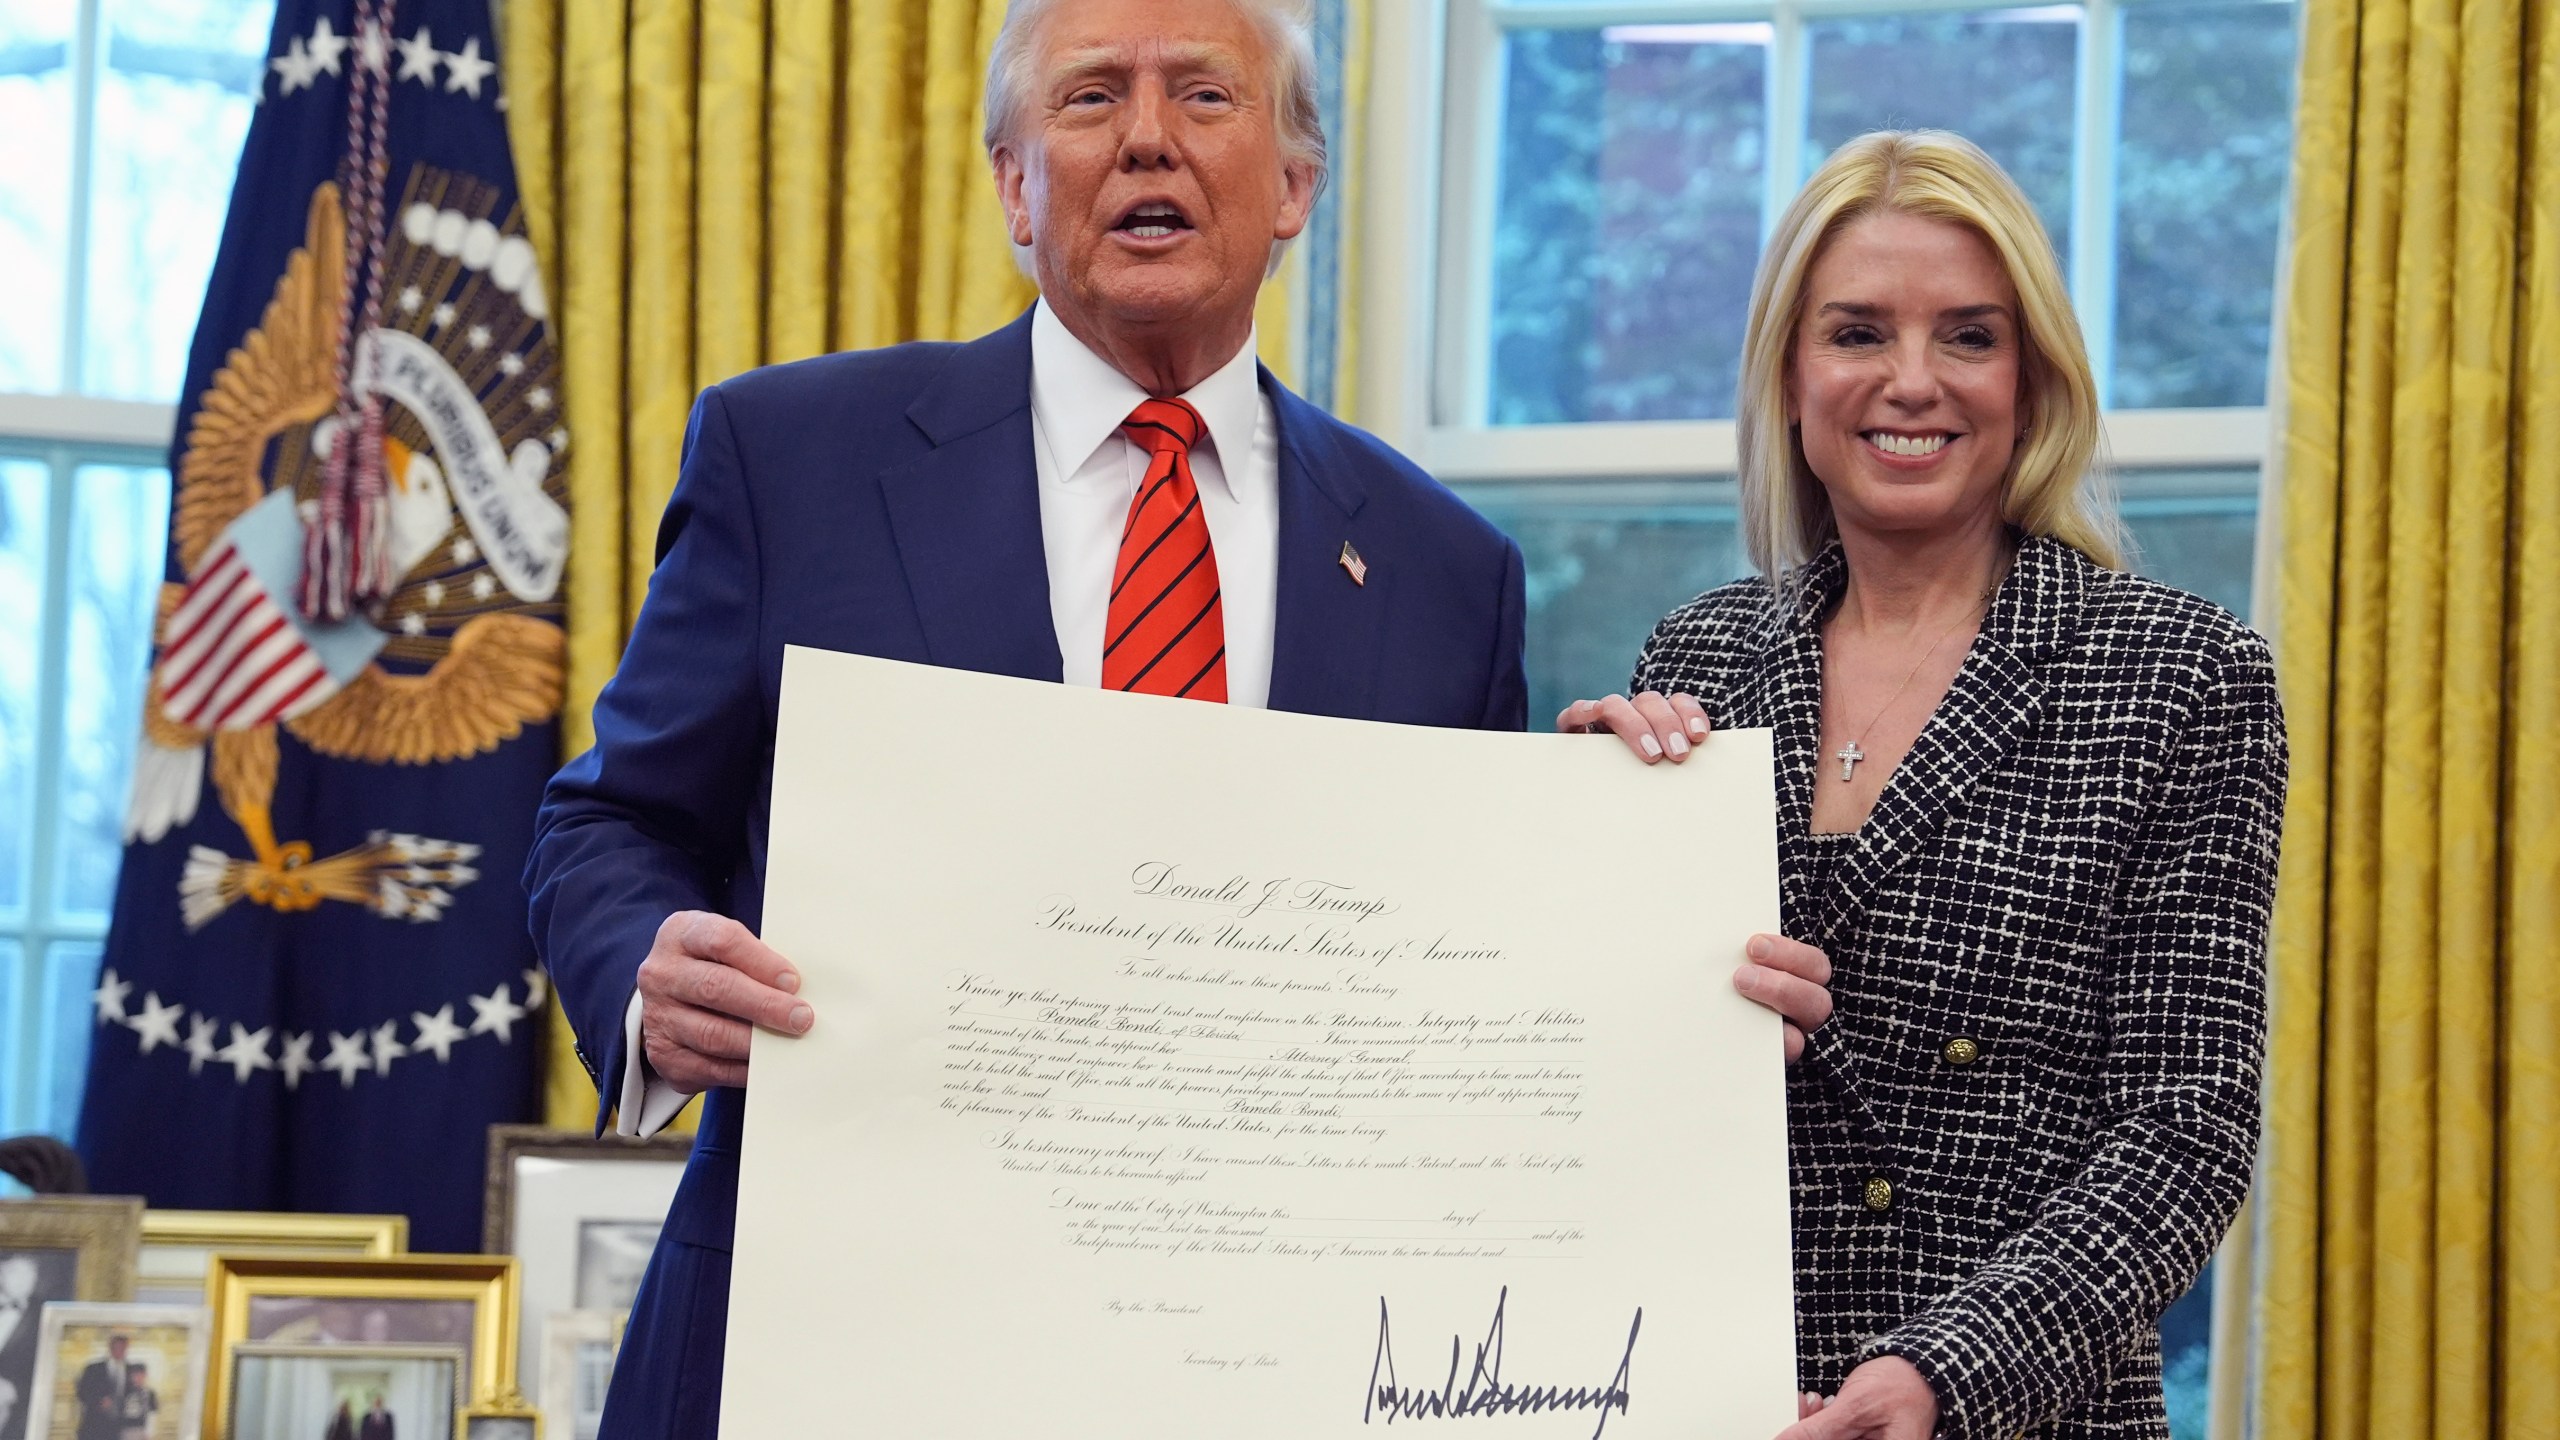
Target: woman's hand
{"type": "Point", "coordinates": [1884, 1399]}
{"type": "Point", "coordinates": [1791, 978]}
{"type": "Point", "coordinates": [1654, 726]}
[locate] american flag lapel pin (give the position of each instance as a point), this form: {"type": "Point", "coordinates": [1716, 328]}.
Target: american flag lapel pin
{"type": "Point", "coordinates": [1353, 565]}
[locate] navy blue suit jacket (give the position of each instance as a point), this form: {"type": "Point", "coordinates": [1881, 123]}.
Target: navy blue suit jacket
{"type": "Point", "coordinates": [885, 503]}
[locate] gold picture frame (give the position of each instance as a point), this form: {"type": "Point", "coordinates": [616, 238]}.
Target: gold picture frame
{"type": "Point", "coordinates": [339, 1299]}
{"type": "Point", "coordinates": [508, 1417]}
{"type": "Point", "coordinates": [178, 1246]}
{"type": "Point", "coordinates": [104, 1230]}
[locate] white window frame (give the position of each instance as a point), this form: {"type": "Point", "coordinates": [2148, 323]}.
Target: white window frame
{"type": "Point", "coordinates": [1423, 331]}
{"type": "Point", "coordinates": [62, 433]}
{"type": "Point", "coordinates": [65, 416]}
{"type": "Point", "coordinates": [41, 921]}
{"type": "Point", "coordinates": [62, 430]}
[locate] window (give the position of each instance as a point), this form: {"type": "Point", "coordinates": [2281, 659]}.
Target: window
{"type": "Point", "coordinates": [1607, 185]}
{"type": "Point", "coordinates": [127, 118]}
{"type": "Point", "coordinates": [1597, 176]}
{"type": "Point", "coordinates": [1595, 179]}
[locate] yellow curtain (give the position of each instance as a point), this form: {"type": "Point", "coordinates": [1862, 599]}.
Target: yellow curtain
{"type": "Point", "coordinates": [720, 184]}
{"type": "Point", "coordinates": [1350, 196]}
{"type": "Point", "coordinates": [2411, 1282]}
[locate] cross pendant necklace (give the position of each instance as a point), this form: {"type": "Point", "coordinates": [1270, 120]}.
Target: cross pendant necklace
{"type": "Point", "coordinates": [1849, 755]}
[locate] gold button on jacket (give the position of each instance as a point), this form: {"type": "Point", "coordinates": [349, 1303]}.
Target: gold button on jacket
{"type": "Point", "coordinates": [1961, 1051]}
{"type": "Point", "coordinates": [1879, 1194]}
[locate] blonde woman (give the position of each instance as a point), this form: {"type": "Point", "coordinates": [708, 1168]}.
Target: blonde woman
{"type": "Point", "coordinates": [2028, 810]}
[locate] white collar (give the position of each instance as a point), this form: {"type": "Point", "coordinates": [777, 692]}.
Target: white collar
{"type": "Point", "coordinates": [1080, 400]}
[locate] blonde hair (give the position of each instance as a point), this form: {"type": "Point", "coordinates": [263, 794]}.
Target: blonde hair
{"type": "Point", "coordinates": [2052, 487]}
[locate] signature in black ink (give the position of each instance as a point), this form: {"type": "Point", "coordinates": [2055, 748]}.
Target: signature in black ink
{"type": "Point", "coordinates": [1484, 1392]}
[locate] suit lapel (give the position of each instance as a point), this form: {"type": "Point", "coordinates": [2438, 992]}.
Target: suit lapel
{"type": "Point", "coordinates": [1326, 637]}
{"type": "Point", "coordinates": [1781, 688]}
{"type": "Point", "coordinates": [1784, 692]}
{"type": "Point", "coordinates": [966, 515]}
{"type": "Point", "coordinates": [1792, 708]}
{"type": "Point", "coordinates": [1996, 698]}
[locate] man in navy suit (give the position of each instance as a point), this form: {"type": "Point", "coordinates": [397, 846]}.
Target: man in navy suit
{"type": "Point", "coordinates": [1108, 491]}
{"type": "Point", "coordinates": [101, 1392]}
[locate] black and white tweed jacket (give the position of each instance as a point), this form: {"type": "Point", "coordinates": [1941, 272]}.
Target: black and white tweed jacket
{"type": "Point", "coordinates": [2033, 1112]}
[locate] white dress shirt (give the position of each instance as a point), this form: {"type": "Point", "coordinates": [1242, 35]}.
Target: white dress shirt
{"type": "Point", "coordinates": [1088, 473]}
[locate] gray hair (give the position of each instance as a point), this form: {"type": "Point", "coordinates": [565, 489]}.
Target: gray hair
{"type": "Point", "coordinates": [1287, 30]}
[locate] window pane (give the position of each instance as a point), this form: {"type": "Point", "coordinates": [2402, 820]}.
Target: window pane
{"type": "Point", "coordinates": [2196, 530]}
{"type": "Point", "coordinates": [22, 543]}
{"type": "Point", "coordinates": [173, 107]}
{"type": "Point", "coordinates": [119, 525]}
{"type": "Point", "coordinates": [2186, 1357]}
{"type": "Point", "coordinates": [15, 1110]}
{"type": "Point", "coordinates": [35, 188]}
{"type": "Point", "coordinates": [2004, 79]}
{"type": "Point", "coordinates": [71, 977]}
{"type": "Point", "coordinates": [1605, 561]}
{"type": "Point", "coordinates": [1627, 220]}
{"type": "Point", "coordinates": [2203, 147]}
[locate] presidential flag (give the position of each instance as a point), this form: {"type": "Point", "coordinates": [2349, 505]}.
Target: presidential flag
{"type": "Point", "coordinates": [317, 993]}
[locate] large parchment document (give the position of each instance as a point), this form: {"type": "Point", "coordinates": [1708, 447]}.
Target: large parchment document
{"type": "Point", "coordinates": [1183, 1071]}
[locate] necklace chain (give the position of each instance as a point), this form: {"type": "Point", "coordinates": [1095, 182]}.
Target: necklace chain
{"type": "Point", "coordinates": [1850, 754]}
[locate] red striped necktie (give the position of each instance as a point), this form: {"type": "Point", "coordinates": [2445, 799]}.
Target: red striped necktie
{"type": "Point", "coordinates": [1166, 634]}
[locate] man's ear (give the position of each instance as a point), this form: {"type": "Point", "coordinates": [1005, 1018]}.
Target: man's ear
{"type": "Point", "coordinates": [1009, 193]}
{"type": "Point", "coordinates": [1297, 200]}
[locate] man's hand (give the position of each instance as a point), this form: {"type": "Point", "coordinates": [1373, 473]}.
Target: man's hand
{"type": "Point", "coordinates": [707, 980]}
{"type": "Point", "coordinates": [1791, 978]}
{"type": "Point", "coordinates": [1884, 1399]}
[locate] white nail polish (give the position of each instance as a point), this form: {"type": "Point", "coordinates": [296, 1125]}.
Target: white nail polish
{"type": "Point", "coordinates": [1697, 729]}
{"type": "Point", "coordinates": [1679, 747]}
{"type": "Point", "coordinates": [1652, 747]}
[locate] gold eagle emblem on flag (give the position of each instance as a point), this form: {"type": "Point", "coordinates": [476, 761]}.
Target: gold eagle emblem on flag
{"type": "Point", "coordinates": [464, 652]}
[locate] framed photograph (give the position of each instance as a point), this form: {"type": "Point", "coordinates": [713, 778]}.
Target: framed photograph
{"type": "Point", "coordinates": [578, 1348]}
{"type": "Point", "coordinates": [612, 1254]}
{"type": "Point", "coordinates": [177, 1244]}
{"type": "Point", "coordinates": [463, 1303]}
{"type": "Point", "coordinates": [341, 1392]}
{"type": "Point", "coordinates": [581, 1213]}
{"type": "Point", "coordinates": [130, 1372]}
{"type": "Point", "coordinates": [54, 1250]}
